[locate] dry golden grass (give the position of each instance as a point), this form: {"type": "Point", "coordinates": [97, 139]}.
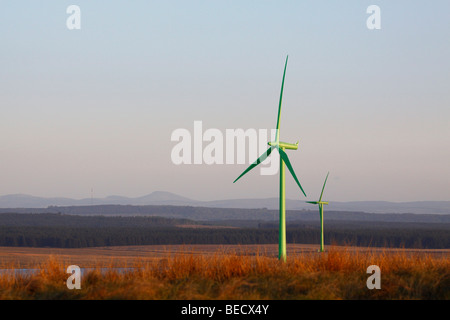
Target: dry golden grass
{"type": "Point", "coordinates": [337, 274]}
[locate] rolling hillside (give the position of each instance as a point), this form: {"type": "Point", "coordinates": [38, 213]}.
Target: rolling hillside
{"type": "Point", "coordinates": [167, 198]}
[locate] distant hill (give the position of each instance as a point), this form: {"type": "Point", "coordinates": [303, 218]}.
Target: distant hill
{"type": "Point", "coordinates": [418, 207]}
{"type": "Point", "coordinates": [155, 198]}
{"type": "Point", "coordinates": [225, 214]}
{"type": "Point", "coordinates": [167, 198]}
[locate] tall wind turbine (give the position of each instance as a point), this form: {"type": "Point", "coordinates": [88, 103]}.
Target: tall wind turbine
{"type": "Point", "coordinates": [321, 204]}
{"type": "Point", "coordinates": [280, 146]}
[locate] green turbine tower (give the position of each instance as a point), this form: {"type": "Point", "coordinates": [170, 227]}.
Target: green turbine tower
{"type": "Point", "coordinates": [321, 204]}
{"type": "Point", "coordinates": [280, 146]}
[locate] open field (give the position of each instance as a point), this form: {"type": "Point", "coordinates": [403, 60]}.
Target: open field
{"type": "Point", "coordinates": [123, 256]}
{"type": "Point", "coordinates": [225, 272]}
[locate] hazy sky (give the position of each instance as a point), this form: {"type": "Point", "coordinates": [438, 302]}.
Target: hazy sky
{"type": "Point", "coordinates": [95, 108]}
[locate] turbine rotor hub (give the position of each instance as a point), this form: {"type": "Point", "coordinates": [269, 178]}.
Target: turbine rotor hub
{"type": "Point", "coordinates": [284, 145]}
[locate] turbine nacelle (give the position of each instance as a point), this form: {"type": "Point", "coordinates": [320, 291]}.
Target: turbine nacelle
{"type": "Point", "coordinates": [318, 202]}
{"type": "Point", "coordinates": [284, 145]}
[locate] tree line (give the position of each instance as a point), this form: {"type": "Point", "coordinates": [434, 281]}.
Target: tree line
{"type": "Point", "coordinates": [80, 237]}
{"type": "Point", "coordinates": [98, 221]}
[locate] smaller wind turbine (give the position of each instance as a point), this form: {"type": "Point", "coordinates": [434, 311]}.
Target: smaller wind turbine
{"type": "Point", "coordinates": [321, 204]}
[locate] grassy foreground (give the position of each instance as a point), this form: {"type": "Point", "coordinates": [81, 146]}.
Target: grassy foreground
{"type": "Point", "coordinates": [336, 274]}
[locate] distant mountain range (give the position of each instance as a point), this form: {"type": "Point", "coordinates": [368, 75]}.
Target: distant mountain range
{"type": "Point", "coordinates": [167, 198]}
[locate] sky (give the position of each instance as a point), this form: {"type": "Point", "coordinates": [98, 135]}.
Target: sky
{"type": "Point", "coordinates": [95, 108]}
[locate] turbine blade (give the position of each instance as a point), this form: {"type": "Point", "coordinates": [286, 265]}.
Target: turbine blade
{"type": "Point", "coordinates": [288, 164]}
{"type": "Point", "coordinates": [258, 161]}
{"type": "Point", "coordinates": [323, 188]}
{"type": "Point", "coordinates": [281, 99]}
{"type": "Point", "coordinates": [312, 202]}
